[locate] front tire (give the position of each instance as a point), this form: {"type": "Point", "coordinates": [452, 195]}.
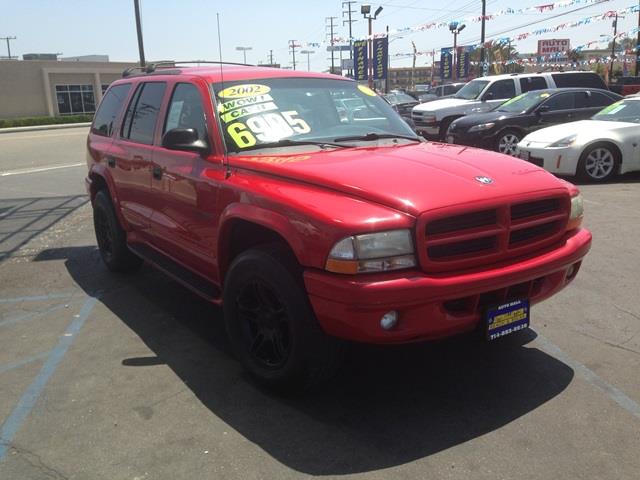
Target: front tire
{"type": "Point", "coordinates": [507, 142]}
{"type": "Point", "coordinates": [271, 326]}
{"type": "Point", "coordinates": [111, 237]}
{"type": "Point", "coordinates": [598, 163]}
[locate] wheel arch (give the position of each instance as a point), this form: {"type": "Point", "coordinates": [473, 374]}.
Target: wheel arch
{"type": "Point", "coordinates": [603, 142]}
{"type": "Point", "coordinates": [101, 180]}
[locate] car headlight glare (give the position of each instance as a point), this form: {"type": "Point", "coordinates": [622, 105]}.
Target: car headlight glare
{"type": "Point", "coordinates": [565, 142]}
{"type": "Point", "coordinates": [372, 252]}
{"type": "Point", "coordinates": [483, 126]}
{"type": "Point", "coordinates": [577, 212]}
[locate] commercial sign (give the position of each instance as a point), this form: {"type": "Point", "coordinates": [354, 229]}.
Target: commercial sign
{"type": "Point", "coordinates": [445, 63]}
{"type": "Point", "coordinates": [554, 47]}
{"type": "Point", "coordinates": [463, 61]}
{"type": "Point", "coordinates": [360, 60]}
{"type": "Point", "coordinates": [380, 58]}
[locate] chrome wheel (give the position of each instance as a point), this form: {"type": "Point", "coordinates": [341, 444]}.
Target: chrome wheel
{"type": "Point", "coordinates": [508, 144]}
{"type": "Point", "coordinates": [599, 163]}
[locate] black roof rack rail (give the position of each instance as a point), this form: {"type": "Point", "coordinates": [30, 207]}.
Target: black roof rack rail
{"type": "Point", "coordinates": [152, 66]}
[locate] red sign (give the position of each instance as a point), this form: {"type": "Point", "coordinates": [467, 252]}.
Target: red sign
{"type": "Point", "coordinates": [549, 47]}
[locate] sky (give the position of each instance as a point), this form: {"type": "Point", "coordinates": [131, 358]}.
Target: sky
{"type": "Point", "coordinates": [186, 29]}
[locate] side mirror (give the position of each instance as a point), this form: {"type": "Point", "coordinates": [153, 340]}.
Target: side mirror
{"type": "Point", "coordinates": [542, 109]}
{"type": "Point", "coordinates": [184, 139]}
{"type": "Point", "coordinates": [487, 96]}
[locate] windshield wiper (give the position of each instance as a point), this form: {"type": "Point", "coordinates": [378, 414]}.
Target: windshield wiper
{"type": "Point", "coordinates": [375, 136]}
{"type": "Point", "coordinates": [286, 142]}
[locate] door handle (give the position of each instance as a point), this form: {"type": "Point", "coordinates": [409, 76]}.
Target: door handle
{"type": "Point", "coordinates": [157, 172]}
{"type": "Point", "coordinates": [111, 162]}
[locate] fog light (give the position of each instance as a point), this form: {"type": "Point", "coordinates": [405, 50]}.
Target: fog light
{"type": "Point", "coordinates": [389, 320]}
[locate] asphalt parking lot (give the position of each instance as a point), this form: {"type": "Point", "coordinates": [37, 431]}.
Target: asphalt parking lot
{"type": "Point", "coordinates": [105, 376]}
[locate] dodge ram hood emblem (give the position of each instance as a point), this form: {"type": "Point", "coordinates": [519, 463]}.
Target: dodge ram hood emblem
{"type": "Point", "coordinates": [484, 180]}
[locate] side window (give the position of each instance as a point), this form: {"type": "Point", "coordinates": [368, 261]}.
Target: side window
{"type": "Point", "coordinates": [109, 109]}
{"type": "Point", "coordinates": [503, 89]}
{"type": "Point", "coordinates": [142, 114]}
{"type": "Point", "coordinates": [562, 101]}
{"type": "Point", "coordinates": [528, 84]}
{"type": "Point", "coordinates": [580, 79]}
{"type": "Point", "coordinates": [185, 110]}
{"type": "Point", "coordinates": [449, 90]}
{"type": "Point", "coordinates": [597, 99]}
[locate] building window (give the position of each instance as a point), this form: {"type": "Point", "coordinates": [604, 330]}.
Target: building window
{"type": "Point", "coordinates": [75, 99]}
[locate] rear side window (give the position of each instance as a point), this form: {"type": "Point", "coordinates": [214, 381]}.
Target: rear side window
{"type": "Point", "coordinates": [502, 89]}
{"type": "Point", "coordinates": [597, 99]}
{"type": "Point", "coordinates": [562, 101]}
{"type": "Point", "coordinates": [528, 84]}
{"type": "Point", "coordinates": [142, 114]}
{"type": "Point", "coordinates": [449, 90]}
{"type": "Point", "coordinates": [578, 79]}
{"type": "Point", "coordinates": [185, 110]}
{"type": "Point", "coordinates": [109, 109]}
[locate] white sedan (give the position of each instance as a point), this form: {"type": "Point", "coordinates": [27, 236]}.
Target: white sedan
{"type": "Point", "coordinates": [595, 149]}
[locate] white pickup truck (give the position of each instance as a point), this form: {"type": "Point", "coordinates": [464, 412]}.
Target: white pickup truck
{"type": "Point", "coordinates": [432, 119]}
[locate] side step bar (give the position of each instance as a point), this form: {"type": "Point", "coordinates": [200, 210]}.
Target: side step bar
{"type": "Point", "coordinates": [194, 282]}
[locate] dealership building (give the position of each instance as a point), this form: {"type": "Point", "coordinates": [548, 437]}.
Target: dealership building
{"type": "Point", "coordinates": [45, 85]}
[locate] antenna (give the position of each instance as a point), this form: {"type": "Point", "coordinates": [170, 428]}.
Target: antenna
{"type": "Point", "coordinates": [227, 173]}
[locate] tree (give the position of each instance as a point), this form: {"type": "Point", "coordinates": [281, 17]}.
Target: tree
{"type": "Point", "coordinates": [624, 44]}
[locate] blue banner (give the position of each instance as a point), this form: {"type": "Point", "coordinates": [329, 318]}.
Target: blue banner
{"type": "Point", "coordinates": [446, 59]}
{"type": "Point", "coordinates": [380, 58]}
{"type": "Point", "coordinates": [360, 60]}
{"type": "Point", "coordinates": [463, 61]}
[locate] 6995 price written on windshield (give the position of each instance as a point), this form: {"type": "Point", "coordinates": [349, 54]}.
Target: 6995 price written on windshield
{"type": "Point", "coordinates": [251, 116]}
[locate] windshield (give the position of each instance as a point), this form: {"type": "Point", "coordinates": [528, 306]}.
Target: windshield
{"type": "Point", "coordinates": [524, 102]}
{"type": "Point", "coordinates": [622, 111]}
{"type": "Point", "coordinates": [268, 110]}
{"type": "Point", "coordinates": [472, 89]}
{"type": "Point", "coordinates": [395, 98]}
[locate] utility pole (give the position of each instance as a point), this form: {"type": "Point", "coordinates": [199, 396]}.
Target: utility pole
{"type": "Point", "coordinates": [350, 21]}
{"type": "Point", "coordinates": [484, 14]}
{"type": "Point", "coordinates": [638, 42]}
{"type": "Point", "coordinates": [270, 57]}
{"type": "Point", "coordinates": [136, 5]}
{"type": "Point", "coordinates": [307, 53]}
{"type": "Point", "coordinates": [8, 39]}
{"type": "Point", "coordinates": [331, 19]}
{"type": "Point", "coordinates": [613, 48]}
{"type": "Point", "coordinates": [293, 46]}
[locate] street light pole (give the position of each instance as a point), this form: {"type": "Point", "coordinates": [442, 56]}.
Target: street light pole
{"type": "Point", "coordinates": [136, 6]}
{"type": "Point", "coordinates": [613, 48]}
{"type": "Point", "coordinates": [455, 28]}
{"type": "Point", "coordinates": [244, 52]}
{"type": "Point", "coordinates": [308, 52]}
{"type": "Point", "coordinates": [366, 12]}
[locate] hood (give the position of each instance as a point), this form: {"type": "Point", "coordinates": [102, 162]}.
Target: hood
{"type": "Point", "coordinates": [587, 128]}
{"type": "Point", "coordinates": [469, 121]}
{"type": "Point", "coordinates": [410, 178]}
{"type": "Point", "coordinates": [441, 104]}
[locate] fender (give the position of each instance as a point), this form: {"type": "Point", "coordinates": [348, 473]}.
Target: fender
{"type": "Point", "coordinates": [269, 219]}
{"type": "Point", "coordinates": [99, 170]}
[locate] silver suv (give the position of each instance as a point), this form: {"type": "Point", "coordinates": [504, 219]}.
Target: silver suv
{"type": "Point", "coordinates": [483, 94]}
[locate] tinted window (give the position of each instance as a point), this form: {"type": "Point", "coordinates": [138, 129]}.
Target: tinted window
{"type": "Point", "coordinates": [185, 110]}
{"type": "Point", "coordinates": [528, 84]}
{"type": "Point", "coordinates": [598, 99]}
{"type": "Point", "coordinates": [449, 90]}
{"type": "Point", "coordinates": [562, 101]}
{"type": "Point", "coordinates": [109, 108]}
{"type": "Point", "coordinates": [142, 113]}
{"type": "Point", "coordinates": [503, 89]}
{"type": "Point", "coordinates": [579, 79]}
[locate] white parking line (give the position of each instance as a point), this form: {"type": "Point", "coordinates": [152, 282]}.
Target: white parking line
{"type": "Point", "coordinates": [38, 169]}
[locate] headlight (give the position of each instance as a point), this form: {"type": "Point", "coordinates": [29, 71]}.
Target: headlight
{"type": "Point", "coordinates": [565, 142]}
{"type": "Point", "coordinates": [372, 252]}
{"type": "Point", "coordinates": [482, 127]}
{"type": "Point", "coordinates": [429, 118]}
{"type": "Point", "coordinates": [577, 212]}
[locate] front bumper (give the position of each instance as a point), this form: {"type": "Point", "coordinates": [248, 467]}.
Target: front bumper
{"type": "Point", "coordinates": [561, 161]}
{"type": "Point", "coordinates": [433, 306]}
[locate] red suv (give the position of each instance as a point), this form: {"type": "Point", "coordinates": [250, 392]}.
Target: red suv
{"type": "Point", "coordinates": [308, 208]}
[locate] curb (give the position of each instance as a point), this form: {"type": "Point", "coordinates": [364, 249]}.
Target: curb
{"type": "Point", "coordinates": [44, 127]}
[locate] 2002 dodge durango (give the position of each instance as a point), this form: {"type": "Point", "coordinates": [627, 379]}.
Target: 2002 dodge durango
{"type": "Point", "coordinates": [305, 205]}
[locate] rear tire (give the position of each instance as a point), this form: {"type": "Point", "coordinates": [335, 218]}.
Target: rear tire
{"type": "Point", "coordinates": [598, 163]}
{"type": "Point", "coordinates": [271, 325]}
{"type": "Point", "coordinates": [111, 238]}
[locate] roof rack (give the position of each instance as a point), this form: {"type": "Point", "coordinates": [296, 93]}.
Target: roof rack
{"type": "Point", "coordinates": [153, 66]}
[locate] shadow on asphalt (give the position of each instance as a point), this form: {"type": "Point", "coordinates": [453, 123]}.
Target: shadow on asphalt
{"type": "Point", "coordinates": [627, 178]}
{"type": "Point", "coordinates": [23, 219]}
{"type": "Point", "coordinates": [389, 405]}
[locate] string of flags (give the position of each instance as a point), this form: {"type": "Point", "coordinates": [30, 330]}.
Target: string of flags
{"type": "Point", "coordinates": [507, 11]}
